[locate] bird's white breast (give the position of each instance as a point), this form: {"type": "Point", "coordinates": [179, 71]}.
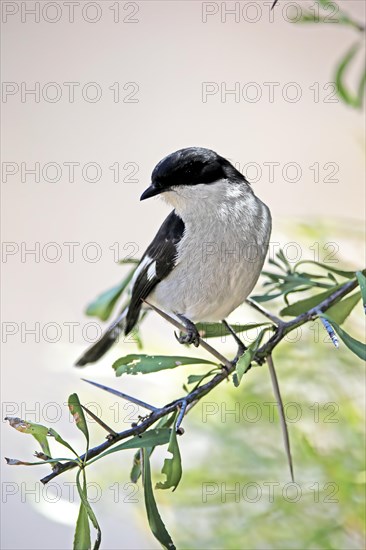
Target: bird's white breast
{"type": "Point", "coordinates": [221, 254]}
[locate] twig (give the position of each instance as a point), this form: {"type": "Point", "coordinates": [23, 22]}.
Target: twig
{"type": "Point", "coordinates": [193, 396]}
{"type": "Point", "coordinates": [263, 353]}
{"type": "Point", "coordinates": [312, 313]}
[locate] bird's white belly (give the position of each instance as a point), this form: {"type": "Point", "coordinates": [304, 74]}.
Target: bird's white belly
{"type": "Point", "coordinates": [212, 278]}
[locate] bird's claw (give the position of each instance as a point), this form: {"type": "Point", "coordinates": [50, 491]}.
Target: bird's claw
{"type": "Point", "coordinates": [191, 337]}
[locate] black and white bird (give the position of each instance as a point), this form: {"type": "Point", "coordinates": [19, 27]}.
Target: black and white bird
{"type": "Point", "coordinates": [208, 254]}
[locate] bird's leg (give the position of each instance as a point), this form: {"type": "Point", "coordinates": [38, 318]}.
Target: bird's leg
{"type": "Point", "coordinates": [192, 336]}
{"type": "Point", "coordinates": [241, 346]}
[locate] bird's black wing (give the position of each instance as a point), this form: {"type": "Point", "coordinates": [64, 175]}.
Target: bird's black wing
{"type": "Point", "coordinates": [157, 262]}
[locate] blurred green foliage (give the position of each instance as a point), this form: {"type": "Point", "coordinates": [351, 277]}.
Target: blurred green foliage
{"type": "Point", "coordinates": [216, 507]}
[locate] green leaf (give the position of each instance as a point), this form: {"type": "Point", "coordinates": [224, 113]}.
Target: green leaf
{"type": "Point", "coordinates": [247, 357]}
{"type": "Point", "coordinates": [103, 305]}
{"type": "Point", "coordinates": [282, 257]}
{"type": "Point", "coordinates": [82, 540]}
{"type": "Point", "coordinates": [16, 462]}
{"type": "Point", "coordinates": [294, 280]}
{"type": "Point", "coordinates": [325, 3]}
{"type": "Point", "coordinates": [306, 17]}
{"type": "Point", "coordinates": [136, 466]}
{"type": "Point", "coordinates": [156, 523]}
{"type": "Point", "coordinates": [38, 431]}
{"type": "Point", "coordinates": [59, 439]}
{"type": "Point", "coordinates": [311, 276]}
{"type": "Point", "coordinates": [42, 440]}
{"type": "Point", "coordinates": [340, 311]}
{"type": "Point", "coordinates": [271, 261]}
{"type": "Point", "coordinates": [79, 417]}
{"type": "Point", "coordinates": [242, 365]}
{"type": "Point", "coordinates": [172, 467]}
{"type": "Point", "coordinates": [265, 297]}
{"type": "Point", "coordinates": [216, 330]}
{"type": "Point", "coordinates": [193, 378]}
{"type": "Point", "coordinates": [304, 305]}
{"type": "Point", "coordinates": [346, 274]}
{"type": "Point", "coordinates": [356, 346]}
{"type": "Point", "coordinates": [148, 439]}
{"type": "Point", "coordinates": [85, 503]}
{"type": "Point", "coordinates": [362, 282]}
{"type": "Point", "coordinates": [361, 87]}
{"type": "Point", "coordinates": [347, 96]}
{"type": "Point", "coordinates": [164, 422]}
{"type": "Point", "coordinates": [135, 363]}
{"type": "Point", "coordinates": [341, 19]}
{"type": "Point", "coordinates": [332, 278]}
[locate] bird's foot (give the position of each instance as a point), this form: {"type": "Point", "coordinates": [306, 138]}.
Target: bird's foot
{"type": "Point", "coordinates": [188, 338]}
{"type": "Point", "coordinates": [191, 336]}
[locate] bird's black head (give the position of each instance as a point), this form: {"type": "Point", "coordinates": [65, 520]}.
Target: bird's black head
{"type": "Point", "coordinates": [190, 166]}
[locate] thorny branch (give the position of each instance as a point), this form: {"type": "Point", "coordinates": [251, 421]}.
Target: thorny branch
{"type": "Point", "coordinates": [281, 330]}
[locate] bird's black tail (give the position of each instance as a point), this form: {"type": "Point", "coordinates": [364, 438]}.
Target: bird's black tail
{"type": "Point", "coordinates": [97, 350]}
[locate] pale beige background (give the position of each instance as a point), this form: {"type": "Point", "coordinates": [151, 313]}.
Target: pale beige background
{"type": "Point", "coordinates": [169, 52]}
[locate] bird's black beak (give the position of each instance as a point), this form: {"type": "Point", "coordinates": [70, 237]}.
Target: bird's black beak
{"type": "Point", "coordinates": [151, 191]}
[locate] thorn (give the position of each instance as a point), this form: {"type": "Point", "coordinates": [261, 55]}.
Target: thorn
{"type": "Point", "coordinates": [276, 390]}
{"type": "Point", "coordinates": [275, 320]}
{"type": "Point", "coordinates": [100, 422]}
{"type": "Point", "coordinates": [167, 317]}
{"type": "Point", "coordinates": [241, 346]}
{"type": "Point", "coordinates": [122, 395]}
